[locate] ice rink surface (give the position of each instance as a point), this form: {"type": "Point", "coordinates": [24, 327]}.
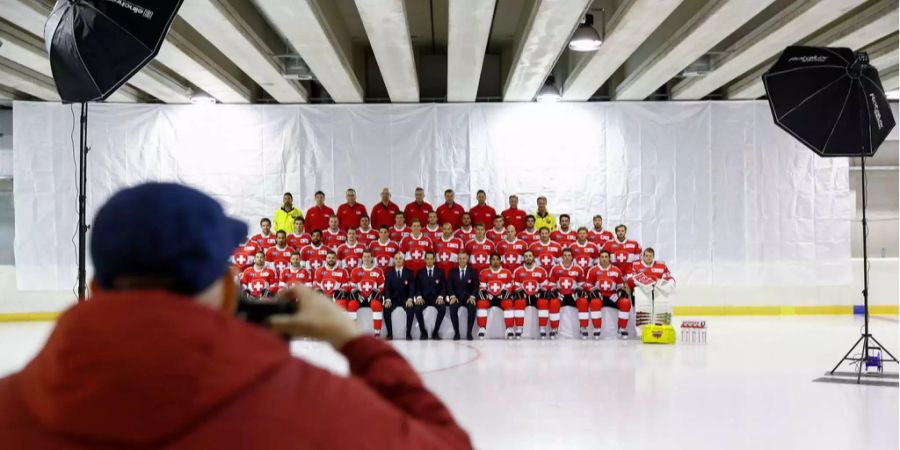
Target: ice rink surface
{"type": "Point", "coordinates": [750, 387]}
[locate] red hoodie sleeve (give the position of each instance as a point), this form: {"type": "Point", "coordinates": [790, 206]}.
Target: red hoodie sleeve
{"type": "Point", "coordinates": [385, 403]}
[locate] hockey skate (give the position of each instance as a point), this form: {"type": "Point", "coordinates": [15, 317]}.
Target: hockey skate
{"type": "Point", "coordinates": [553, 335]}
{"type": "Point", "coordinates": [543, 333]}
{"type": "Point", "coordinates": [481, 333]}
{"type": "Point", "coordinates": [518, 332]}
{"type": "Point", "coordinates": [596, 335]}
{"type": "Point", "coordinates": [584, 333]}
{"type": "Point", "coordinates": [510, 334]}
{"type": "Point", "coordinates": [623, 333]}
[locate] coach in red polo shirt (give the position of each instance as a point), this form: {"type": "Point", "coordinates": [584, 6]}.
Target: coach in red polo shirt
{"type": "Point", "coordinates": [317, 215]}
{"type": "Point", "coordinates": [514, 216]}
{"type": "Point", "coordinates": [482, 213]}
{"type": "Point", "coordinates": [384, 211]}
{"type": "Point", "coordinates": [450, 212]}
{"type": "Point", "coordinates": [349, 213]}
{"type": "Point", "coordinates": [418, 209]}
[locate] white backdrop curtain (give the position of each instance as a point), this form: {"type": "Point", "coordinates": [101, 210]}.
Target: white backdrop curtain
{"type": "Point", "coordinates": [724, 196]}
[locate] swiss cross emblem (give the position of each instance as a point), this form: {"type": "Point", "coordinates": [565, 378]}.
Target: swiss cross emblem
{"type": "Point", "coordinates": [530, 287]}
{"type": "Point", "coordinates": [494, 288]}
{"type": "Point", "coordinates": [351, 262]}
{"type": "Point", "coordinates": [258, 286]}
{"type": "Point", "coordinates": [416, 254]}
{"type": "Point", "coordinates": [382, 261]}
{"type": "Point", "coordinates": [565, 283]}
{"type": "Point", "coordinates": [316, 263]}
{"type": "Point", "coordinates": [582, 261]}
{"type": "Point", "coordinates": [328, 285]}
{"type": "Point", "coordinates": [510, 258]}
{"type": "Point", "coordinates": [545, 260]}
{"type": "Point", "coordinates": [620, 257]}
{"type": "Point", "coordinates": [606, 286]}
{"type": "Point", "coordinates": [281, 265]}
{"type": "Point", "coordinates": [445, 257]}
{"type": "Point", "coordinates": [482, 258]}
{"type": "Point", "coordinates": [241, 259]}
{"type": "Point", "coordinates": [367, 286]}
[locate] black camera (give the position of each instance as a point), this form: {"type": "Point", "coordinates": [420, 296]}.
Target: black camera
{"type": "Point", "coordinates": [257, 310]}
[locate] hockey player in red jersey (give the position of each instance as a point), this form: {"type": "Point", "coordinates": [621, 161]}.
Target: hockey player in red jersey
{"type": "Point", "coordinates": [294, 274]}
{"type": "Point", "coordinates": [584, 252]}
{"type": "Point", "coordinates": [564, 235]}
{"type": "Point", "coordinates": [511, 249]}
{"type": "Point", "coordinates": [529, 234]}
{"type": "Point", "coordinates": [242, 258]}
{"type": "Point", "coordinates": [400, 230]}
{"type": "Point", "coordinates": [314, 254]}
{"type": "Point", "coordinates": [498, 232]}
{"type": "Point", "coordinates": [432, 230]}
{"type": "Point", "coordinates": [350, 253]}
{"type": "Point", "coordinates": [265, 238]}
{"type": "Point", "coordinates": [333, 236]}
{"type": "Point", "coordinates": [333, 281]}
{"type": "Point", "coordinates": [384, 249]}
{"type": "Point", "coordinates": [480, 250]}
{"type": "Point", "coordinates": [298, 238]}
{"type": "Point", "coordinates": [546, 251]}
{"type": "Point", "coordinates": [495, 290]}
{"type": "Point", "coordinates": [259, 280]}
{"type": "Point", "coordinates": [566, 279]}
{"type": "Point", "coordinates": [367, 284]}
{"type": "Point", "coordinates": [622, 250]}
{"type": "Point", "coordinates": [414, 248]}
{"type": "Point", "coordinates": [530, 282]}
{"type": "Point", "coordinates": [651, 285]}
{"type": "Point", "coordinates": [606, 287]}
{"type": "Point", "coordinates": [365, 234]}
{"type": "Point", "coordinates": [446, 249]}
{"type": "Point", "coordinates": [598, 235]}
{"type": "Point", "coordinates": [279, 255]}
{"type": "Point", "coordinates": [466, 231]}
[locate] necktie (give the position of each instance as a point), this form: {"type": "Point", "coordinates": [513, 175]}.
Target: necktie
{"type": "Point", "coordinates": [398, 274]}
{"type": "Point", "coordinates": [429, 273]}
{"type": "Point", "coordinates": [462, 274]}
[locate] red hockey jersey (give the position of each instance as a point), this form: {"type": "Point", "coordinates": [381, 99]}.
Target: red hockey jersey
{"type": "Point", "coordinates": [656, 271]}
{"type": "Point", "coordinates": [298, 241]}
{"type": "Point", "coordinates": [366, 237]}
{"type": "Point", "coordinates": [530, 237]}
{"type": "Point", "coordinates": [257, 281]}
{"type": "Point", "coordinates": [333, 239]}
{"type": "Point", "coordinates": [292, 276]}
{"type": "Point", "coordinates": [367, 281]}
{"type": "Point", "coordinates": [397, 234]}
{"type": "Point", "coordinates": [585, 255]}
{"type": "Point", "coordinates": [566, 279]}
{"type": "Point", "coordinates": [622, 254]}
{"type": "Point", "coordinates": [447, 253]}
{"type": "Point", "coordinates": [242, 258]}
{"type": "Point", "coordinates": [608, 281]}
{"type": "Point", "coordinates": [480, 253]}
{"type": "Point", "coordinates": [414, 249]}
{"type": "Point", "coordinates": [264, 241]}
{"type": "Point", "coordinates": [531, 279]}
{"type": "Point", "coordinates": [313, 257]}
{"type": "Point", "coordinates": [564, 238]}
{"type": "Point", "coordinates": [433, 233]}
{"type": "Point", "coordinates": [495, 235]}
{"type": "Point", "coordinates": [384, 253]}
{"type": "Point", "coordinates": [350, 256]}
{"type": "Point", "coordinates": [465, 235]}
{"type": "Point", "coordinates": [495, 281]}
{"type": "Point", "coordinates": [511, 252]}
{"type": "Point", "coordinates": [279, 257]}
{"type": "Point", "coordinates": [600, 237]}
{"type": "Point", "coordinates": [546, 255]}
{"type": "Point", "coordinates": [330, 280]}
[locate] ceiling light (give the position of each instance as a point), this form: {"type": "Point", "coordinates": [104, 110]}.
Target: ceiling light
{"type": "Point", "coordinates": [202, 98]}
{"type": "Point", "coordinates": [549, 92]}
{"type": "Point", "coordinates": [293, 67]}
{"type": "Point", "coordinates": [892, 95]}
{"type": "Point", "coordinates": [585, 38]}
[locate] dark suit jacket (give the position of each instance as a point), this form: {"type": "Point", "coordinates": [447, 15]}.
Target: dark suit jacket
{"type": "Point", "coordinates": [431, 288]}
{"type": "Point", "coordinates": [464, 287]}
{"type": "Point", "coordinates": [399, 289]}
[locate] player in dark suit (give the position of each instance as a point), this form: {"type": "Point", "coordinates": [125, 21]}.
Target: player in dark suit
{"type": "Point", "coordinates": [400, 291]}
{"type": "Point", "coordinates": [431, 289]}
{"type": "Point", "coordinates": [462, 287]}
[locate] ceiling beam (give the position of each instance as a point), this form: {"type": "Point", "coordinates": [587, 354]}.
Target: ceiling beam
{"type": "Point", "coordinates": [710, 24]}
{"type": "Point", "coordinates": [7, 93]}
{"type": "Point", "coordinates": [627, 29]}
{"type": "Point", "coordinates": [28, 50]}
{"type": "Point", "coordinates": [318, 33]}
{"type": "Point", "coordinates": [21, 78]}
{"type": "Point", "coordinates": [543, 37]}
{"type": "Point", "coordinates": [890, 79]}
{"type": "Point", "coordinates": [468, 30]}
{"type": "Point", "coordinates": [855, 32]}
{"type": "Point", "coordinates": [236, 29]}
{"type": "Point", "coordinates": [30, 15]}
{"type": "Point", "coordinates": [387, 28]}
{"type": "Point", "coordinates": [794, 22]}
{"type": "Point", "coordinates": [884, 53]}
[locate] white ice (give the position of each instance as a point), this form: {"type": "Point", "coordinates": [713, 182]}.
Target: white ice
{"type": "Point", "coordinates": [751, 387]}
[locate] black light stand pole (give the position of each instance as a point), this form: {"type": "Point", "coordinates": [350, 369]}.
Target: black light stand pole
{"type": "Point", "coordinates": [82, 204]}
{"type": "Point", "coordinates": [866, 336]}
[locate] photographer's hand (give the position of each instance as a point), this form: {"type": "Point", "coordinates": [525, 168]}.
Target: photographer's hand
{"type": "Point", "coordinates": [316, 317]}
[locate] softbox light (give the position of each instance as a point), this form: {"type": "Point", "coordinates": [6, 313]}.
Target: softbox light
{"type": "Point", "coordinates": [97, 45]}
{"type": "Point", "coordinates": [830, 99]}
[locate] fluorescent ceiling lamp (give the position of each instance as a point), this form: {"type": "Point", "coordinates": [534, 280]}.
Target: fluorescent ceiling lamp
{"type": "Point", "coordinates": [202, 98]}
{"type": "Point", "coordinates": [549, 92]}
{"type": "Point", "coordinates": [585, 38]}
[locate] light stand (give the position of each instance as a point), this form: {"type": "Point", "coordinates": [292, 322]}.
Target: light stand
{"type": "Point", "coordinates": [868, 341]}
{"type": "Point", "coordinates": [82, 204]}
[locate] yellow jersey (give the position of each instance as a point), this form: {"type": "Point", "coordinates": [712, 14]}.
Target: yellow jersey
{"type": "Point", "coordinates": [548, 221]}
{"type": "Point", "coordinates": [284, 220]}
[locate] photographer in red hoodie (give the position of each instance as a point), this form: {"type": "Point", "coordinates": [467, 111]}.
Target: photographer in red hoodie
{"type": "Point", "coordinates": [156, 358]}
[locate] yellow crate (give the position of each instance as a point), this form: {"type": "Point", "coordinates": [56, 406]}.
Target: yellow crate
{"type": "Point", "coordinates": [658, 334]}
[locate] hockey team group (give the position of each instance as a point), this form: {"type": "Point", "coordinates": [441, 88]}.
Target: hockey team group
{"type": "Point", "coordinates": [449, 259]}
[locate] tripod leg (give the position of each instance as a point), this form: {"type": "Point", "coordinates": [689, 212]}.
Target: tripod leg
{"type": "Point", "coordinates": [845, 356]}
{"type": "Point", "coordinates": [893, 358]}
{"type": "Point", "coordinates": [863, 359]}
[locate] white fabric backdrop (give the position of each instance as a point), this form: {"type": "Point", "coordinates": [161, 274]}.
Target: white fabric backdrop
{"type": "Point", "coordinates": [722, 194]}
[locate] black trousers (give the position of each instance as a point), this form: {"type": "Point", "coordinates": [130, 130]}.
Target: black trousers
{"type": "Point", "coordinates": [414, 311]}
{"type": "Point", "coordinates": [454, 316]}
